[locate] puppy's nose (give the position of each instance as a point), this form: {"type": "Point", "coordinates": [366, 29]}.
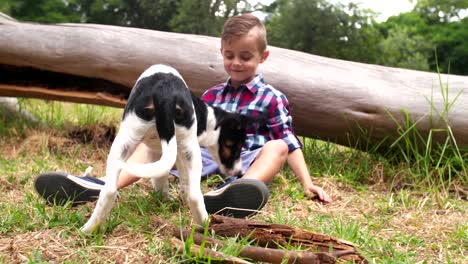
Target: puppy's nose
{"type": "Point", "coordinates": [234, 172]}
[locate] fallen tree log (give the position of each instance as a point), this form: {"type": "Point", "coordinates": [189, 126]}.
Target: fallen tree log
{"type": "Point", "coordinates": [353, 104]}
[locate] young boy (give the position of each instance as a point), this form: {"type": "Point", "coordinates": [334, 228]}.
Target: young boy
{"type": "Point", "coordinates": [243, 47]}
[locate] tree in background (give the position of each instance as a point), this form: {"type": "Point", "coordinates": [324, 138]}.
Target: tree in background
{"type": "Point", "coordinates": [205, 17]}
{"type": "Point", "coordinates": [42, 11]}
{"type": "Point", "coordinates": [133, 13]}
{"type": "Point", "coordinates": [403, 50]}
{"type": "Point", "coordinates": [432, 35]}
{"type": "Point", "coordinates": [435, 31]}
{"type": "Point", "coordinates": [405, 44]}
{"type": "Point", "coordinates": [440, 11]}
{"type": "Point", "coordinates": [197, 17]}
{"type": "Point", "coordinates": [5, 6]}
{"type": "Point", "coordinates": [318, 27]}
{"type": "Point", "coordinates": [448, 32]}
{"type": "Point", "coordinates": [451, 47]}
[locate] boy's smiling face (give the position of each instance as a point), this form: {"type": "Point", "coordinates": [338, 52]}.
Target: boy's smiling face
{"type": "Point", "coordinates": [242, 56]}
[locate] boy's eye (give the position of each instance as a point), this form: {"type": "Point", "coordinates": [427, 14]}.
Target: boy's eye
{"type": "Point", "coordinates": [243, 57]}
{"type": "Point", "coordinates": [228, 53]}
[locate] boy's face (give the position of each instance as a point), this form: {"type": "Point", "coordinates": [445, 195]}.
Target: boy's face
{"type": "Point", "coordinates": [241, 57]}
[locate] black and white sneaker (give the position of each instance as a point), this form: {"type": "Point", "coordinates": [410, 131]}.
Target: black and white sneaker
{"type": "Point", "coordinates": [59, 188]}
{"type": "Point", "coordinates": [237, 198]}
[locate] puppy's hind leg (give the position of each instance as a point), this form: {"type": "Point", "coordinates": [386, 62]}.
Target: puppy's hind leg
{"type": "Point", "coordinates": [189, 165]}
{"type": "Point", "coordinates": [123, 146]}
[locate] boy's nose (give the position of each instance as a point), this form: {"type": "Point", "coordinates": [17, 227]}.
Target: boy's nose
{"type": "Point", "coordinates": [236, 62]}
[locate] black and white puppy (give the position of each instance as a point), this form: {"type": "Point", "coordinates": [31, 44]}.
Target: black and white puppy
{"type": "Point", "coordinates": [161, 102]}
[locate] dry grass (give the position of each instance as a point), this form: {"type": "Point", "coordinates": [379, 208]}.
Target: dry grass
{"type": "Point", "coordinates": [427, 224]}
{"type": "Point", "coordinates": [120, 247]}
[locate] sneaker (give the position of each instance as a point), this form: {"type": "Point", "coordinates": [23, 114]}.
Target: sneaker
{"type": "Point", "coordinates": [59, 188]}
{"type": "Point", "coordinates": [237, 198]}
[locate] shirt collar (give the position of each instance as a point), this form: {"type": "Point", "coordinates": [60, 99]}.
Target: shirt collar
{"type": "Point", "coordinates": [251, 86]}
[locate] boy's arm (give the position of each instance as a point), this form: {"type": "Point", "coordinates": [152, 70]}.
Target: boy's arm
{"type": "Point", "coordinates": [280, 127]}
{"type": "Point", "coordinates": [297, 163]}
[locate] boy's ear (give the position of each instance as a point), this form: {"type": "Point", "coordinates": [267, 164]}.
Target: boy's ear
{"type": "Point", "coordinates": [265, 55]}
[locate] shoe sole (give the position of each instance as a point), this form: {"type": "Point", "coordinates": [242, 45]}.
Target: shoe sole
{"type": "Point", "coordinates": [240, 199]}
{"type": "Point", "coordinates": [53, 187]}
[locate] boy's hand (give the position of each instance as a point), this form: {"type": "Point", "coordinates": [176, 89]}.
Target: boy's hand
{"type": "Point", "coordinates": [317, 192]}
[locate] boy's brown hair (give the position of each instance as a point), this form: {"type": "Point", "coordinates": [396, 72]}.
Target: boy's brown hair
{"type": "Point", "coordinates": [238, 26]}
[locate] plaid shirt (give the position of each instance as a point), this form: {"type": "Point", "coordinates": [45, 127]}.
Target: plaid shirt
{"type": "Point", "coordinates": [253, 99]}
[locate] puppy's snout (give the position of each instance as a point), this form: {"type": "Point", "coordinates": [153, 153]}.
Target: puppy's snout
{"type": "Point", "coordinates": [234, 172]}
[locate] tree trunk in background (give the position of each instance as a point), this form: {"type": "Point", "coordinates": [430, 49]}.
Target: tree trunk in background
{"type": "Point", "coordinates": [353, 104]}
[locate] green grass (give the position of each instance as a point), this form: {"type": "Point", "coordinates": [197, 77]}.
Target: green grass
{"type": "Point", "coordinates": [437, 164]}
{"type": "Point", "coordinates": [410, 209]}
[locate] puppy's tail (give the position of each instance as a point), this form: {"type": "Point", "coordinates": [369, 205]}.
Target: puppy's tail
{"type": "Point", "coordinates": [165, 116]}
{"type": "Point", "coordinates": [159, 168]}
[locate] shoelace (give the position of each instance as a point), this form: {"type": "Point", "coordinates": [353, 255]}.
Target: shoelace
{"type": "Point", "coordinates": [88, 172]}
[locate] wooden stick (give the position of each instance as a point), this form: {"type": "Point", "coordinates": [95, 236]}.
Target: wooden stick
{"type": "Point", "coordinates": [271, 235]}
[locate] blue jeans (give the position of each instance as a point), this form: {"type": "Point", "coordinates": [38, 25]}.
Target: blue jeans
{"type": "Point", "coordinates": [209, 165]}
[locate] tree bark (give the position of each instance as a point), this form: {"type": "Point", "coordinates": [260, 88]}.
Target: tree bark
{"type": "Point", "coordinates": [353, 104]}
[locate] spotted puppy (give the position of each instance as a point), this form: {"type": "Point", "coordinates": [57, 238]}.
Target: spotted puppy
{"type": "Point", "coordinates": [161, 103]}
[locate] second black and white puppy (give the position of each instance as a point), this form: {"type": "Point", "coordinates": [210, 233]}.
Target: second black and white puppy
{"type": "Point", "coordinates": [161, 103]}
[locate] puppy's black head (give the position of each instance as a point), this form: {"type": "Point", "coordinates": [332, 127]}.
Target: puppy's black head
{"type": "Point", "coordinates": [232, 136]}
